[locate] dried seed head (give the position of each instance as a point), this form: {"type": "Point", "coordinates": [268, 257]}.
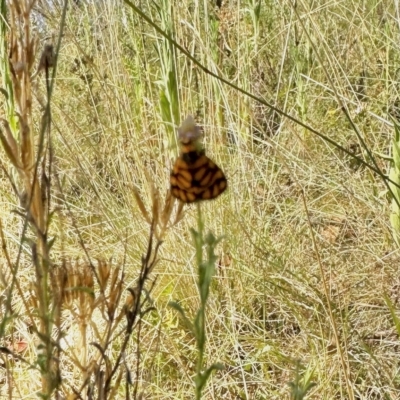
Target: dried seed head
{"type": "Point", "coordinates": [132, 305]}
{"type": "Point", "coordinates": [141, 206]}
{"type": "Point", "coordinates": [26, 144]}
{"type": "Point", "coordinates": [9, 144]}
{"type": "Point", "coordinates": [115, 292]}
{"type": "Point", "coordinates": [104, 269]}
{"type": "Point", "coordinates": [131, 299]}
{"type": "Point", "coordinates": [87, 278]}
{"type": "Point", "coordinates": [179, 213]}
{"type": "Point", "coordinates": [166, 213]}
{"type": "Point", "coordinates": [155, 197]}
{"type": "Point", "coordinates": [77, 286]}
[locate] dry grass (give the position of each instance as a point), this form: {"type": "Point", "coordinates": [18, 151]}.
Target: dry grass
{"type": "Point", "coordinates": [298, 211]}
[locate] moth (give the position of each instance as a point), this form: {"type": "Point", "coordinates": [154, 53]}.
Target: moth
{"type": "Point", "coordinates": [194, 176]}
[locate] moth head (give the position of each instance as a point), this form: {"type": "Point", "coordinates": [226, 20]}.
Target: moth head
{"type": "Point", "coordinates": [189, 132]}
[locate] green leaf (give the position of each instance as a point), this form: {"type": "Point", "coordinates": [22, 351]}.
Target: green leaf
{"type": "Point", "coordinates": [4, 91]}
{"type": "Point", "coordinates": [395, 177]}
{"type": "Point", "coordinates": [393, 313]}
{"type": "Point", "coordinates": [396, 154]}
{"type": "Point", "coordinates": [202, 378]}
{"type": "Point", "coordinates": [188, 324]}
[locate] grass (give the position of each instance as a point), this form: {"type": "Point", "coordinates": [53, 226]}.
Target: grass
{"type": "Point", "coordinates": [304, 295]}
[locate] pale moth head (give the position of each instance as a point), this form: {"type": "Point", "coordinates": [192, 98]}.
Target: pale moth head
{"type": "Point", "coordinates": [189, 131]}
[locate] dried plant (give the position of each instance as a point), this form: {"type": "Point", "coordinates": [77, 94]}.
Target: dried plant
{"type": "Point", "coordinates": [88, 298]}
{"type": "Point", "coordinates": [29, 153]}
{"type": "Point", "coordinates": [77, 311]}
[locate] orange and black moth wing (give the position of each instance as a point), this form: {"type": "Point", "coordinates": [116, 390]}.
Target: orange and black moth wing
{"type": "Point", "coordinates": [195, 177]}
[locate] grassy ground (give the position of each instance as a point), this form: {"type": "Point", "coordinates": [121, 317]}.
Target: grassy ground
{"type": "Point", "coordinates": [306, 282]}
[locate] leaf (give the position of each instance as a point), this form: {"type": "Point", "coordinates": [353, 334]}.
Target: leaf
{"type": "Point", "coordinates": [395, 223]}
{"type": "Point", "coordinates": [188, 324]}
{"type": "Point", "coordinates": [202, 378]}
{"type": "Point", "coordinates": [393, 311]}
{"type": "Point", "coordinates": [4, 91]}
{"type": "Point", "coordinates": [396, 154]}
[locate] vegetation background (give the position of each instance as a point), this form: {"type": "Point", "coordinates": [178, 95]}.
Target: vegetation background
{"type": "Point", "coordinates": [306, 286]}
